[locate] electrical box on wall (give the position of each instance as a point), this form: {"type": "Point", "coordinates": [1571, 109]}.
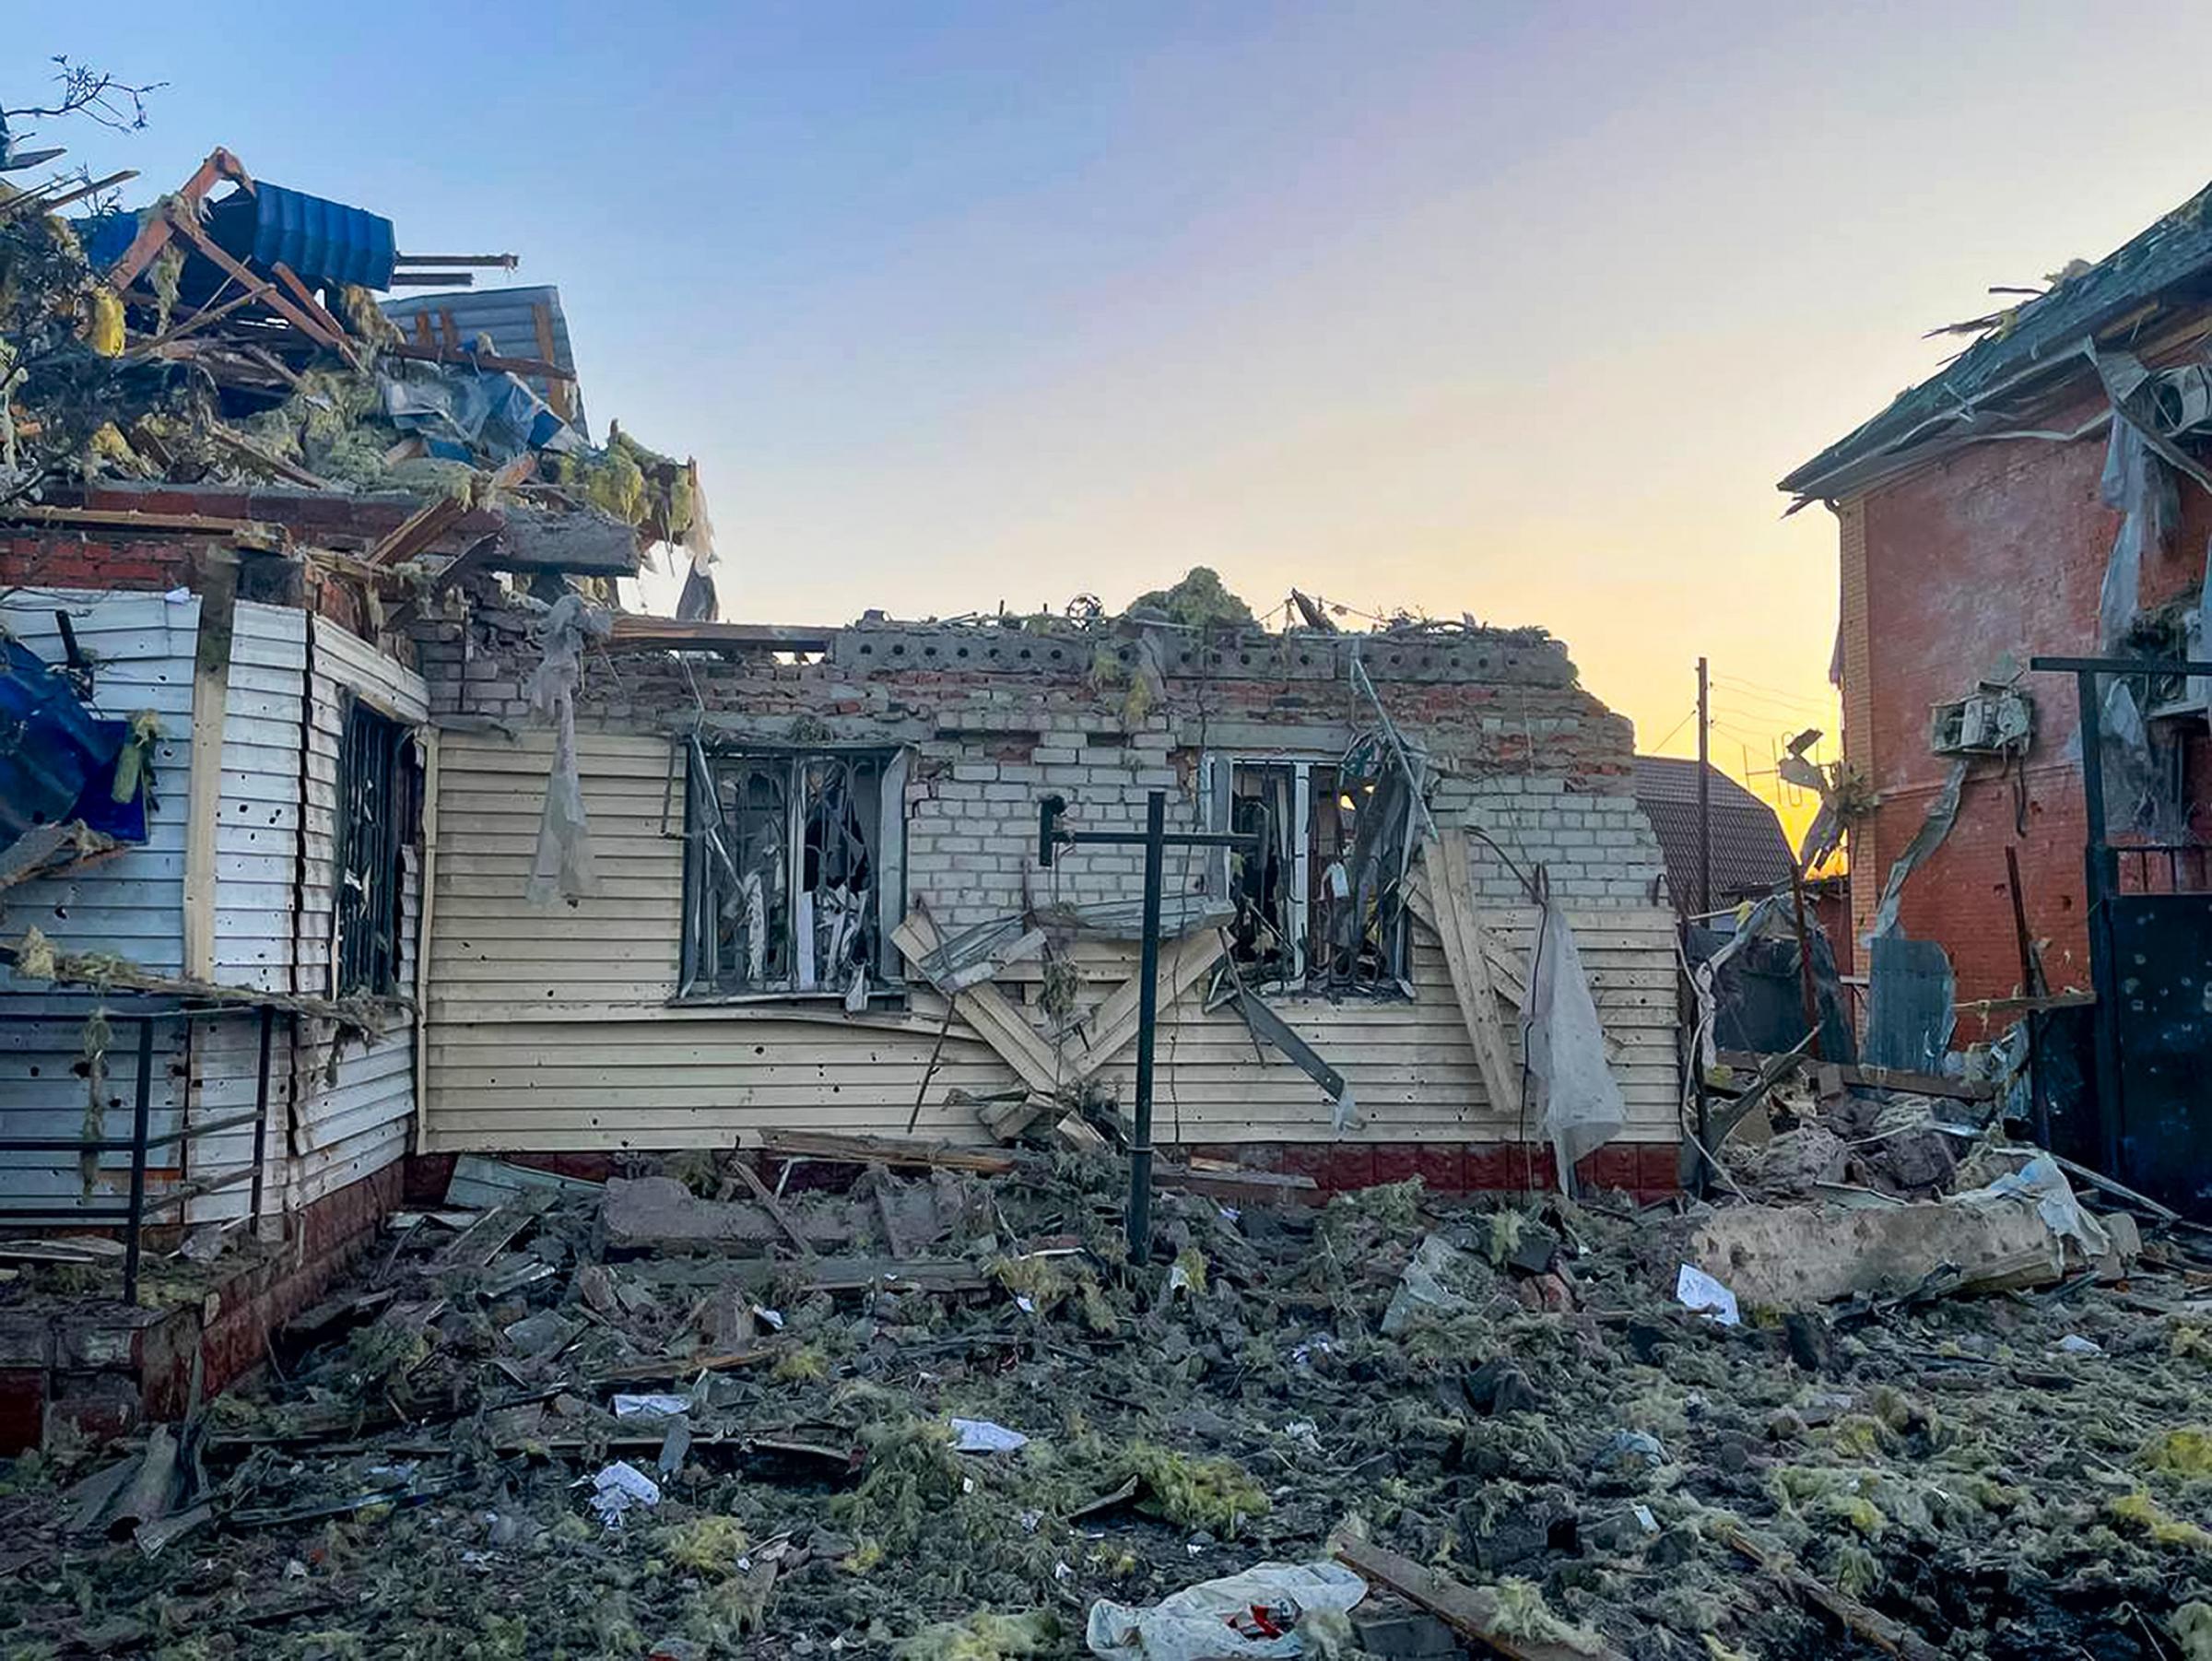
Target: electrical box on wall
{"type": "Point", "coordinates": [1995, 719]}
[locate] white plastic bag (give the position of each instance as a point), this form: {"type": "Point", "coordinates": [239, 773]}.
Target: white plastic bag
{"type": "Point", "coordinates": [1195, 1624]}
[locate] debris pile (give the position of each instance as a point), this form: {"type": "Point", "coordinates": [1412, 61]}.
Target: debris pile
{"type": "Point", "coordinates": [917, 1405]}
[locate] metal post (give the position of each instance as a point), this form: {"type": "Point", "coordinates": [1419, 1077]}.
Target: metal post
{"type": "Point", "coordinates": [2031, 985]}
{"type": "Point", "coordinates": [1805, 962]}
{"type": "Point", "coordinates": [2096, 870]}
{"type": "Point", "coordinates": [1704, 798]}
{"type": "Point", "coordinates": [1147, 1013]}
{"type": "Point", "coordinates": [139, 1111]}
{"type": "Point", "coordinates": [260, 1110]}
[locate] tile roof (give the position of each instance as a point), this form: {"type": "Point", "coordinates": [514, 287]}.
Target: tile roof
{"type": "Point", "coordinates": [1750, 855]}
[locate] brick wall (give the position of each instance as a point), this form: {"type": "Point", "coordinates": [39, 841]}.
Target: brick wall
{"type": "Point", "coordinates": [1995, 553]}
{"type": "Point", "coordinates": [1531, 760]}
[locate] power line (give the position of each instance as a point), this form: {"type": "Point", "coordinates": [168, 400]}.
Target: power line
{"type": "Point", "coordinates": [1688, 715]}
{"type": "Point", "coordinates": [1769, 694]}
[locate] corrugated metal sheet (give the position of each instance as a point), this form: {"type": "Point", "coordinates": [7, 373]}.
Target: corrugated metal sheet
{"type": "Point", "coordinates": [551, 1030]}
{"type": "Point", "coordinates": [134, 904]}
{"type": "Point", "coordinates": [509, 317]}
{"type": "Point", "coordinates": [321, 241]}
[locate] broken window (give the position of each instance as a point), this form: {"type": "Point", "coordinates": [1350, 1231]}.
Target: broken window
{"type": "Point", "coordinates": [1317, 898]}
{"type": "Point", "coordinates": [379, 802]}
{"type": "Point", "coordinates": [794, 882]}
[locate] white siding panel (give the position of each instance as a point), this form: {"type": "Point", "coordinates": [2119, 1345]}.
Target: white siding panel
{"type": "Point", "coordinates": [141, 646]}
{"type": "Point", "coordinates": [354, 1115]}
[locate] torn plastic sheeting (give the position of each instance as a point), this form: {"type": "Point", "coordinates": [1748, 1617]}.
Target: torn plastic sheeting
{"type": "Point", "coordinates": [618, 1488]}
{"type": "Point", "coordinates": [2136, 485]}
{"type": "Point", "coordinates": [563, 867]}
{"type": "Point", "coordinates": [983, 1436]}
{"type": "Point", "coordinates": [2040, 1181]}
{"type": "Point", "coordinates": [2130, 793]}
{"type": "Point", "coordinates": [1209, 1621]}
{"type": "Point", "coordinates": [1422, 1288]}
{"type": "Point", "coordinates": [1578, 1099]}
{"type": "Point", "coordinates": [1943, 813]}
{"type": "Point", "coordinates": [1701, 1294]}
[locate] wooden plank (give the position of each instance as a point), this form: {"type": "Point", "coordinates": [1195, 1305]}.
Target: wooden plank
{"type": "Point", "coordinates": [1881, 1078]}
{"type": "Point", "coordinates": [1474, 1612]}
{"type": "Point", "coordinates": [203, 788]}
{"type": "Point", "coordinates": [1181, 964]}
{"type": "Point", "coordinates": [772, 1206]}
{"type": "Point", "coordinates": [900, 1152]}
{"type": "Point", "coordinates": [1460, 930]}
{"type": "Point", "coordinates": [987, 1009]}
{"type": "Point", "coordinates": [1506, 971]}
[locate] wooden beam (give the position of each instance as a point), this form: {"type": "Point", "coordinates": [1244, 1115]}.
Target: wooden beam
{"type": "Point", "coordinates": [247, 532]}
{"type": "Point", "coordinates": [203, 789]}
{"type": "Point", "coordinates": [988, 1010]}
{"type": "Point", "coordinates": [558, 393]}
{"type": "Point", "coordinates": [1880, 1078]}
{"type": "Point", "coordinates": [1474, 1612]}
{"type": "Point", "coordinates": [153, 236]}
{"type": "Point", "coordinates": [1182, 964]}
{"type": "Point", "coordinates": [419, 531]}
{"type": "Point", "coordinates": [898, 1152]}
{"type": "Point", "coordinates": [336, 335]}
{"type": "Point", "coordinates": [1459, 928]}
{"type": "Point", "coordinates": [315, 329]}
{"type": "Point", "coordinates": [435, 353]}
{"type": "Point", "coordinates": [1506, 973]}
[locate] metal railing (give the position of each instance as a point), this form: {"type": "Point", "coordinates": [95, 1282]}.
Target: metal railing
{"type": "Point", "coordinates": [133, 1213]}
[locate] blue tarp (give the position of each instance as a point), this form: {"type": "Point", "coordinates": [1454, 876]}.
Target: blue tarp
{"type": "Point", "coordinates": [57, 758]}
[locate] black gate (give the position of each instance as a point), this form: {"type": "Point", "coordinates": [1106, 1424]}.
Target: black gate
{"type": "Point", "coordinates": [2150, 964]}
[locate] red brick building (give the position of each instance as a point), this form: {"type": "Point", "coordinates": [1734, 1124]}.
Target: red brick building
{"type": "Point", "coordinates": [1974, 535]}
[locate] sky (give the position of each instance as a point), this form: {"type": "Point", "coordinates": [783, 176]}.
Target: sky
{"type": "Point", "coordinates": [1509, 311]}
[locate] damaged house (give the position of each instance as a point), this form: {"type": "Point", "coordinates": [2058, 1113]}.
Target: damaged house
{"type": "Point", "coordinates": [229, 483]}
{"type": "Point", "coordinates": [801, 841]}
{"type": "Point", "coordinates": [2048, 495]}
{"type": "Point", "coordinates": [357, 824]}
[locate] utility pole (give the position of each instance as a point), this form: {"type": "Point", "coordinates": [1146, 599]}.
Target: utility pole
{"type": "Point", "coordinates": [1704, 798]}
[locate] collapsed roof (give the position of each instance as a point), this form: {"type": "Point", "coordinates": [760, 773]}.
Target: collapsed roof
{"type": "Point", "coordinates": [2127, 298]}
{"type": "Point", "coordinates": [228, 339]}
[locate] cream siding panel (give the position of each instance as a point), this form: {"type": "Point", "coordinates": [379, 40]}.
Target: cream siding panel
{"type": "Point", "coordinates": [553, 1030]}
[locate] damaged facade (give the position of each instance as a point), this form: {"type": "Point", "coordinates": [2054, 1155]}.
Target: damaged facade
{"type": "Point", "coordinates": [2045, 495]}
{"type": "Point", "coordinates": [767, 809]}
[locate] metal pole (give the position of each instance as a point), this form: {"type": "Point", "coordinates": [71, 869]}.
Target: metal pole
{"type": "Point", "coordinates": [139, 1111]}
{"type": "Point", "coordinates": [1147, 1015]}
{"type": "Point", "coordinates": [2031, 985]}
{"type": "Point", "coordinates": [2097, 868]}
{"type": "Point", "coordinates": [1805, 962]}
{"type": "Point", "coordinates": [1704, 798]}
{"type": "Point", "coordinates": [260, 1110]}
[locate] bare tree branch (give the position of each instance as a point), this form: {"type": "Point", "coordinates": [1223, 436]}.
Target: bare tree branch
{"type": "Point", "coordinates": [94, 94]}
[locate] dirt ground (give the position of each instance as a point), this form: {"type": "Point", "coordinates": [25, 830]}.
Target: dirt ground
{"type": "Point", "coordinates": [1529, 1410]}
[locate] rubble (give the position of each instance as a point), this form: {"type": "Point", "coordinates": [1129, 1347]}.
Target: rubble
{"type": "Point", "coordinates": [523, 1424]}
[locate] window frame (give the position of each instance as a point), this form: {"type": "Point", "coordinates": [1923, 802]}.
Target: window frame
{"type": "Point", "coordinates": [887, 858]}
{"type": "Point", "coordinates": [367, 924]}
{"type": "Point", "coordinates": [1218, 774]}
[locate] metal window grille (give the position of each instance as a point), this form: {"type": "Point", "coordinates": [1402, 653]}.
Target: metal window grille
{"type": "Point", "coordinates": [373, 810]}
{"type": "Point", "coordinates": [791, 872]}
